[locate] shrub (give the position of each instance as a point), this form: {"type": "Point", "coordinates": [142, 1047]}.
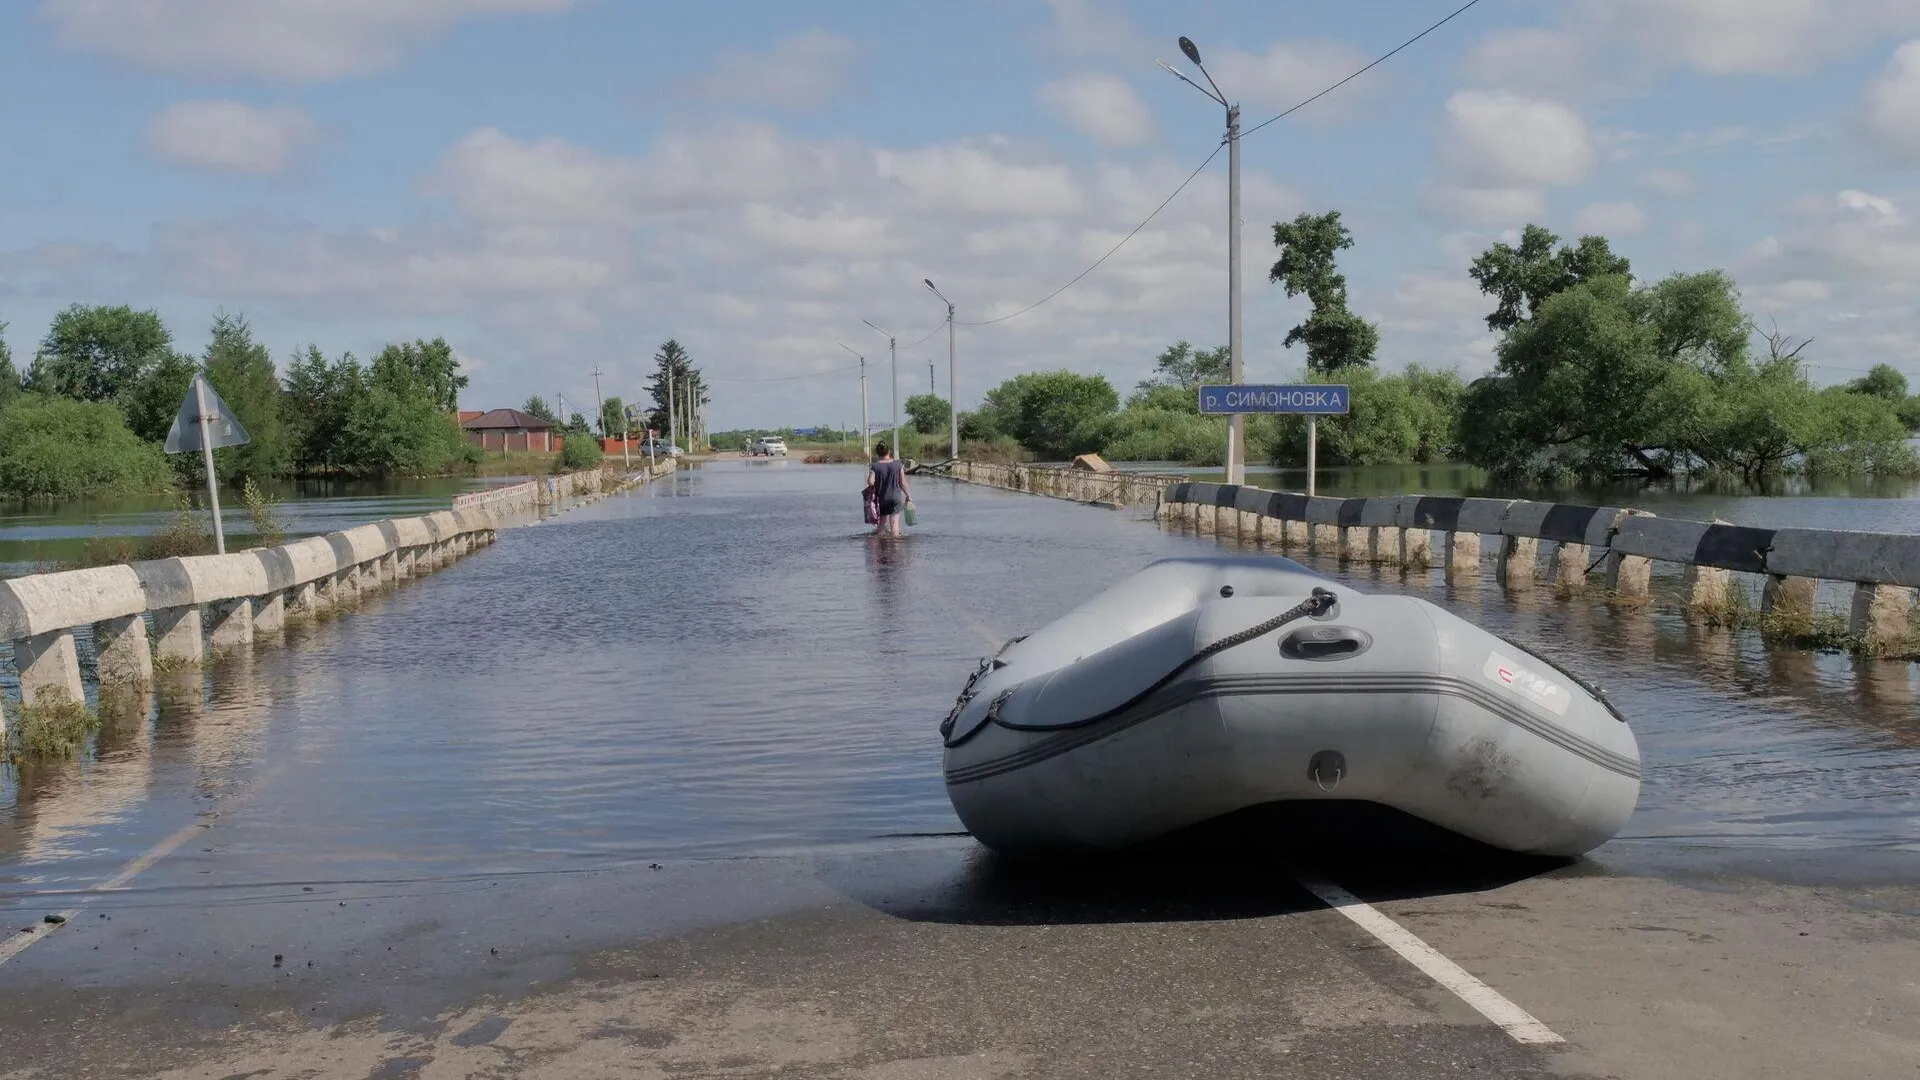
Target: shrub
{"type": "Point", "coordinates": [579, 452]}
{"type": "Point", "coordinates": [59, 448]}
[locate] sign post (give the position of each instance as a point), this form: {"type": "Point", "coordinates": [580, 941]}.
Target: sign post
{"type": "Point", "coordinates": [203, 423]}
{"type": "Point", "coordinates": [1308, 399]}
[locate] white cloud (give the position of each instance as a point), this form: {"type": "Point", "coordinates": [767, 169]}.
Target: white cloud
{"type": "Point", "coordinates": [1529, 58]}
{"type": "Point", "coordinates": [967, 177]}
{"type": "Point", "coordinates": [1495, 139]}
{"type": "Point", "coordinates": [1610, 219]}
{"type": "Point", "coordinates": [1288, 73]}
{"type": "Point", "coordinates": [1487, 206]}
{"type": "Point", "coordinates": [1667, 181]}
{"type": "Point", "coordinates": [1849, 274]}
{"type": "Point", "coordinates": [229, 136]}
{"type": "Point", "coordinates": [298, 41]}
{"type": "Point", "coordinates": [1744, 37]}
{"type": "Point", "coordinates": [1500, 151]}
{"type": "Point", "coordinates": [805, 72]}
{"type": "Point", "coordinates": [1105, 108]}
{"type": "Point", "coordinates": [1084, 28]}
{"type": "Point", "coordinates": [1891, 109]}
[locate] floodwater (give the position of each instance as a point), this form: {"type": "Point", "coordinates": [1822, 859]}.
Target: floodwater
{"type": "Point", "coordinates": [724, 664]}
{"type": "Point", "coordinates": [37, 537]}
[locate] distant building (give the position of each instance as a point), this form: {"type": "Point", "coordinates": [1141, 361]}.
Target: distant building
{"type": "Point", "coordinates": [509, 429]}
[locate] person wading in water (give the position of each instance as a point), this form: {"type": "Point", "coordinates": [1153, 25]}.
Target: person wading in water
{"type": "Point", "coordinates": [888, 480]}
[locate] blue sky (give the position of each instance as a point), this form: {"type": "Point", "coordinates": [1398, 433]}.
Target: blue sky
{"type": "Point", "coordinates": [559, 184]}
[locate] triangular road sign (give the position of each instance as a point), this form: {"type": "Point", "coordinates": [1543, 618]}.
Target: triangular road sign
{"type": "Point", "coordinates": [222, 426]}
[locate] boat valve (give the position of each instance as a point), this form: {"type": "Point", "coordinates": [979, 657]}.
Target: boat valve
{"type": "Point", "coordinates": [1324, 764]}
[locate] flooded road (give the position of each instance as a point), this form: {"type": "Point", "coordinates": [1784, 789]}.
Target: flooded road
{"type": "Point", "coordinates": [726, 665]}
{"type": "Point", "coordinates": [657, 782]}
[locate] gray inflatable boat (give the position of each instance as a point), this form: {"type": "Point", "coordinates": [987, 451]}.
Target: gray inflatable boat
{"type": "Point", "coordinates": [1203, 686]}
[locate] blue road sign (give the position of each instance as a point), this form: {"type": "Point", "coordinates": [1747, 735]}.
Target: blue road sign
{"type": "Point", "coordinates": [1311, 398]}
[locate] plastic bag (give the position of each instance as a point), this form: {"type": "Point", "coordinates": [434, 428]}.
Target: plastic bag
{"type": "Point", "coordinates": [913, 517]}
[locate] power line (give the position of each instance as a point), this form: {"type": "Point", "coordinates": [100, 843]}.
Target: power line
{"type": "Point", "coordinates": [1077, 278]}
{"type": "Point", "coordinates": [1096, 265]}
{"type": "Point", "coordinates": [1381, 59]}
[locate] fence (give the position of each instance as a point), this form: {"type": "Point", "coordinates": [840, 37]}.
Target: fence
{"type": "Point", "coordinates": [551, 490]}
{"type": "Point", "coordinates": [1882, 568]}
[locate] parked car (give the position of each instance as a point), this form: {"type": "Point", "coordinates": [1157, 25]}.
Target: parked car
{"type": "Point", "coordinates": [769, 446]}
{"type": "Point", "coordinates": [658, 448]}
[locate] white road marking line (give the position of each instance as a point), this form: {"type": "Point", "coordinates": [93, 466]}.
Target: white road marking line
{"type": "Point", "coordinates": [1487, 1001]}
{"type": "Point", "coordinates": [15, 944]}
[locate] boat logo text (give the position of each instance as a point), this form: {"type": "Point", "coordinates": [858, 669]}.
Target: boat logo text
{"type": "Point", "coordinates": [1542, 692]}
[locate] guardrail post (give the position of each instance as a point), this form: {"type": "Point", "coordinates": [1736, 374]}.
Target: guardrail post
{"type": "Point", "coordinates": [305, 599]}
{"type": "Point", "coordinates": [49, 667]}
{"type": "Point", "coordinates": [390, 567]}
{"type": "Point", "coordinates": [1882, 615]}
{"type": "Point", "coordinates": [1383, 545]}
{"type": "Point", "coordinates": [1519, 559]}
{"type": "Point", "coordinates": [1706, 589]}
{"type": "Point", "coordinates": [270, 613]}
{"type": "Point", "coordinates": [1293, 534]}
{"type": "Point", "coordinates": [1788, 596]}
{"type": "Point", "coordinates": [1570, 566]}
{"type": "Point", "coordinates": [1629, 576]}
{"type": "Point", "coordinates": [177, 635]}
{"type": "Point", "coordinates": [232, 625]}
{"type": "Point", "coordinates": [122, 656]}
{"type": "Point", "coordinates": [1416, 547]}
{"type": "Point", "coordinates": [1353, 542]}
{"type": "Point", "coordinates": [1323, 539]}
{"type": "Point", "coordinates": [1462, 556]}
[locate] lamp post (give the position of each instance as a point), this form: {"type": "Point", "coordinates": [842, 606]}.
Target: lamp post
{"type": "Point", "coordinates": [1236, 422]}
{"type": "Point", "coordinates": [953, 401]}
{"type": "Point", "coordinates": [893, 359]}
{"type": "Point", "coordinates": [866, 448]}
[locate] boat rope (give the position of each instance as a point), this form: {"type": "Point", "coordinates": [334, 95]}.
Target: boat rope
{"type": "Point", "coordinates": [1319, 603]}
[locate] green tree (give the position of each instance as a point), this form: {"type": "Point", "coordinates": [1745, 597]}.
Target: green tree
{"type": "Point", "coordinates": [1393, 419]}
{"type": "Point", "coordinates": [321, 398]}
{"type": "Point", "coordinates": [9, 375]}
{"type": "Point", "coordinates": [97, 353]}
{"type": "Point", "coordinates": [1605, 379]}
{"type": "Point", "coordinates": [1881, 381]}
{"type": "Point", "coordinates": [927, 413]}
{"type": "Point", "coordinates": [537, 406]}
{"type": "Point", "coordinates": [1055, 414]}
{"type": "Point", "coordinates": [1335, 337]}
{"type": "Point", "coordinates": [1182, 367]}
{"type": "Point", "coordinates": [153, 400]}
{"type": "Point", "coordinates": [389, 434]}
{"type": "Point", "coordinates": [674, 369]}
{"type": "Point", "coordinates": [54, 447]}
{"type": "Point", "coordinates": [241, 370]}
{"type": "Point", "coordinates": [613, 417]}
{"type": "Point", "coordinates": [1521, 278]}
{"type": "Point", "coordinates": [427, 370]}
{"type": "Point", "coordinates": [577, 425]}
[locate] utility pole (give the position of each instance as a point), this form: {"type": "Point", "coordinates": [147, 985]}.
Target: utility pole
{"type": "Point", "coordinates": [866, 447]}
{"type": "Point", "coordinates": [953, 397]}
{"type": "Point", "coordinates": [1236, 422]}
{"type": "Point", "coordinates": [931, 388]}
{"type": "Point", "coordinates": [893, 359]}
{"type": "Point", "coordinates": [673, 408]}
{"type": "Point", "coordinates": [600, 403]}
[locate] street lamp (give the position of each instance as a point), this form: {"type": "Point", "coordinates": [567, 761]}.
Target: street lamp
{"type": "Point", "coordinates": [953, 400]}
{"type": "Point", "coordinates": [865, 447]}
{"type": "Point", "coordinates": [1236, 422]}
{"type": "Point", "coordinates": [893, 358]}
